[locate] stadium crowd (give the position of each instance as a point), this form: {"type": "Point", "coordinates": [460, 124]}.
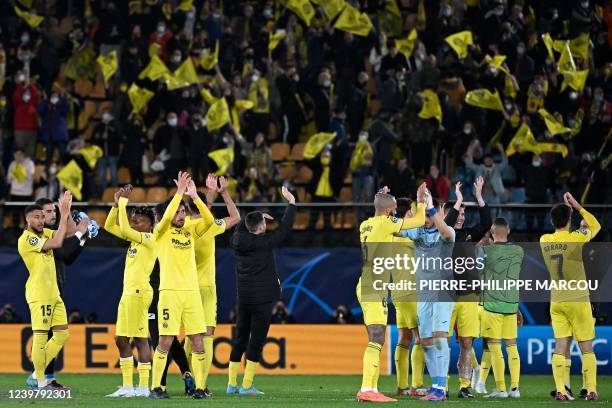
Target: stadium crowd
{"type": "Point", "coordinates": [92, 74]}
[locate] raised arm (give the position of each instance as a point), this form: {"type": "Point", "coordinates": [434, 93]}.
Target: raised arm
{"type": "Point", "coordinates": [127, 231]}
{"type": "Point", "coordinates": [443, 229]}
{"type": "Point", "coordinates": [234, 215]}
{"type": "Point", "coordinates": [181, 184]}
{"type": "Point", "coordinates": [207, 218]}
{"type": "Point", "coordinates": [453, 213]}
{"type": "Point", "coordinates": [589, 222]}
{"type": "Point", "coordinates": [485, 222]}
{"type": "Point", "coordinates": [111, 225]}
{"type": "Point", "coordinates": [418, 219]}
{"type": "Point", "coordinates": [286, 223]}
{"type": "Point", "coordinates": [58, 237]}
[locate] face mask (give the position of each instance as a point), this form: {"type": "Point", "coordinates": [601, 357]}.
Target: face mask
{"type": "Point", "coordinates": [520, 50]}
{"type": "Point", "coordinates": [267, 13]}
{"type": "Point", "coordinates": [363, 137]}
{"type": "Point", "coordinates": [325, 161]}
{"type": "Point", "coordinates": [327, 83]}
{"type": "Point", "coordinates": [585, 4]}
{"type": "Point", "coordinates": [172, 121]}
{"type": "Point", "coordinates": [161, 30]}
{"type": "Point", "coordinates": [25, 38]}
{"type": "Point", "coordinates": [493, 70]}
{"type": "Point", "coordinates": [573, 96]}
{"type": "Point", "coordinates": [26, 97]}
{"type": "Point", "coordinates": [598, 97]}
{"type": "Point", "coordinates": [20, 78]}
{"type": "Point", "coordinates": [254, 78]}
{"type": "Point", "coordinates": [176, 59]}
{"type": "Point", "coordinates": [54, 99]}
{"type": "Point", "coordinates": [508, 107]}
{"type": "Point", "coordinates": [499, 12]}
{"type": "Point", "coordinates": [467, 130]}
{"type": "Point", "coordinates": [447, 12]}
{"type": "Point", "coordinates": [536, 163]}
{"type": "Point", "coordinates": [106, 117]}
{"type": "Point", "coordinates": [190, 15]}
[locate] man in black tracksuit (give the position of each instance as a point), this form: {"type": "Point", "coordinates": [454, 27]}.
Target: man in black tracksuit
{"type": "Point", "coordinates": [258, 289]}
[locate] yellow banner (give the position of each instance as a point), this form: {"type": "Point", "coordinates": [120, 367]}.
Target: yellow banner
{"type": "Point", "coordinates": [289, 349]}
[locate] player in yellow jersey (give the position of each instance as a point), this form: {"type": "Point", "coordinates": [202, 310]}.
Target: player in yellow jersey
{"type": "Point", "coordinates": [132, 314]}
{"type": "Point", "coordinates": [379, 229]}
{"type": "Point", "coordinates": [205, 262]}
{"type": "Point", "coordinates": [179, 296]}
{"type": "Point", "coordinates": [570, 311]}
{"type": "Point", "coordinates": [47, 310]}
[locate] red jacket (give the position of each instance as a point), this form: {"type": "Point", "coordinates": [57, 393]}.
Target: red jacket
{"type": "Point", "coordinates": [26, 116]}
{"type": "Point", "coordinates": [440, 187]}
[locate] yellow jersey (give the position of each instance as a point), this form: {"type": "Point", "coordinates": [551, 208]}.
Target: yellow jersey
{"type": "Point", "coordinates": [42, 282]}
{"type": "Point", "coordinates": [176, 247]}
{"type": "Point", "coordinates": [205, 253]}
{"type": "Point", "coordinates": [562, 252]}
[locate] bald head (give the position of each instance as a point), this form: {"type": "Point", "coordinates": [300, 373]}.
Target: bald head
{"type": "Point", "coordinates": [384, 204]}
{"type": "Point", "coordinates": [500, 230]}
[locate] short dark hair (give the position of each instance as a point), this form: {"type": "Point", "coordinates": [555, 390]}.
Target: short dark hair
{"type": "Point", "coordinates": [253, 220]}
{"type": "Point", "coordinates": [501, 222]}
{"type": "Point", "coordinates": [404, 205]}
{"type": "Point", "coordinates": [31, 208]}
{"type": "Point", "coordinates": [43, 201]}
{"type": "Point", "coordinates": [435, 202]}
{"type": "Point", "coordinates": [560, 215]}
{"type": "Point", "coordinates": [145, 212]}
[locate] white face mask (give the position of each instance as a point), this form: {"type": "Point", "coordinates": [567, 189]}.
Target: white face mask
{"type": "Point", "coordinates": [327, 83]}
{"type": "Point", "coordinates": [172, 121]}
{"type": "Point", "coordinates": [26, 97]}
{"type": "Point", "coordinates": [106, 117]}
{"type": "Point", "coordinates": [176, 59]}
{"type": "Point", "coordinates": [54, 99]}
{"type": "Point", "coordinates": [363, 137]}
{"type": "Point", "coordinates": [254, 78]}
{"type": "Point", "coordinates": [20, 78]}
{"type": "Point", "coordinates": [573, 96]}
{"type": "Point", "coordinates": [161, 30]}
{"type": "Point", "coordinates": [25, 38]}
{"type": "Point", "coordinates": [467, 130]}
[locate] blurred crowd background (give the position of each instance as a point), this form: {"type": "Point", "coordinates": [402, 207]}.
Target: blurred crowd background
{"type": "Point", "coordinates": [118, 92]}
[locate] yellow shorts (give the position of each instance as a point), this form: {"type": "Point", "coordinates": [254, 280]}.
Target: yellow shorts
{"type": "Point", "coordinates": [406, 315]}
{"type": "Point", "coordinates": [208, 294]}
{"type": "Point", "coordinates": [133, 315]}
{"type": "Point", "coordinates": [572, 318]}
{"type": "Point", "coordinates": [178, 308]}
{"type": "Point", "coordinates": [466, 317]}
{"type": "Point", "coordinates": [47, 314]}
{"type": "Point", "coordinates": [373, 312]}
{"type": "Point", "coordinates": [498, 326]}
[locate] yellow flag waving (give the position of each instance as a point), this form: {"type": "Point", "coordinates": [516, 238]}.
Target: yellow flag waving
{"type": "Point", "coordinates": [566, 62]}
{"type": "Point", "coordinates": [19, 172]}
{"type": "Point", "coordinates": [579, 46]}
{"type": "Point", "coordinates": [218, 115]}
{"type": "Point", "coordinates": [331, 8]}
{"type": "Point", "coordinates": [406, 45]}
{"type": "Point", "coordinates": [354, 21]}
{"type": "Point", "coordinates": [552, 124]}
{"type": "Point", "coordinates": [91, 154]}
{"type": "Point", "coordinates": [207, 96]}
{"type": "Point", "coordinates": [185, 5]}
{"type": "Point", "coordinates": [421, 14]}
{"type": "Point", "coordinates": [302, 8]}
{"type": "Point", "coordinates": [524, 141]}
{"type": "Point", "coordinates": [155, 70]}
{"type": "Point", "coordinates": [392, 8]}
{"type": "Point", "coordinates": [459, 42]}
{"type": "Point", "coordinates": [275, 39]}
{"type": "Point", "coordinates": [71, 177]}
{"type": "Point", "coordinates": [32, 19]}
{"type": "Point", "coordinates": [183, 76]}
{"type": "Point", "coordinates": [154, 50]}
{"type": "Point", "coordinates": [240, 104]}
{"type": "Point", "coordinates": [431, 106]}
{"type": "Point", "coordinates": [316, 143]}
{"type": "Point", "coordinates": [209, 60]}
{"type": "Point", "coordinates": [575, 79]}
{"type": "Point", "coordinates": [108, 64]}
{"type": "Point", "coordinates": [483, 98]}
{"type": "Point", "coordinates": [548, 42]}
{"type": "Point", "coordinates": [497, 61]}
{"type": "Point", "coordinates": [362, 156]}
{"type": "Point", "coordinates": [224, 158]}
{"type": "Point", "coordinates": [139, 97]}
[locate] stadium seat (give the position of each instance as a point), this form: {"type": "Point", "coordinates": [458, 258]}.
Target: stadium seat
{"type": "Point", "coordinates": [98, 90]}
{"type": "Point", "coordinates": [348, 179]}
{"type": "Point", "coordinates": [302, 218]}
{"type": "Point", "coordinates": [151, 180]}
{"type": "Point", "coordinates": [138, 195]}
{"type": "Point", "coordinates": [302, 195]}
{"type": "Point", "coordinates": [303, 176]}
{"type": "Point", "coordinates": [39, 171]}
{"type": "Point", "coordinates": [123, 175]}
{"type": "Point", "coordinates": [109, 194]}
{"type": "Point", "coordinates": [346, 195]}
{"type": "Point", "coordinates": [349, 220]}
{"type": "Point", "coordinates": [280, 151]}
{"type": "Point", "coordinates": [156, 195]}
{"type": "Point", "coordinates": [83, 87]}
{"type": "Point", "coordinates": [297, 152]}
{"type": "Point", "coordinates": [286, 172]}
{"type": "Point", "coordinates": [98, 215]}
{"type": "Point", "coordinates": [172, 192]}
{"type": "Point", "coordinates": [103, 107]}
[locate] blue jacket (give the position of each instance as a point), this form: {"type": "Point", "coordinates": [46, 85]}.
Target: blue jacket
{"type": "Point", "coordinates": [53, 125]}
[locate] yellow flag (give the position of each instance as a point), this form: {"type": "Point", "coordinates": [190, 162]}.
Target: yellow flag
{"type": "Point", "coordinates": [275, 39]}
{"type": "Point", "coordinates": [154, 50]}
{"type": "Point", "coordinates": [302, 8]}
{"type": "Point", "coordinates": [579, 46]}
{"type": "Point", "coordinates": [431, 106]}
{"type": "Point", "coordinates": [218, 115]}
{"type": "Point", "coordinates": [240, 104]}
{"type": "Point", "coordinates": [362, 155]}
{"type": "Point", "coordinates": [497, 61]}
{"type": "Point", "coordinates": [32, 19]}
{"type": "Point", "coordinates": [459, 42]}
{"type": "Point", "coordinates": [224, 158]}
{"type": "Point", "coordinates": [244, 104]}
{"type": "Point", "coordinates": [154, 70]}
{"type": "Point", "coordinates": [421, 16]}
{"type": "Point", "coordinates": [26, 3]}
{"type": "Point", "coordinates": [209, 60]}
{"type": "Point", "coordinates": [548, 42]}
{"type": "Point", "coordinates": [71, 177]}
{"type": "Point", "coordinates": [108, 64]}
{"type": "Point", "coordinates": [185, 5]}
{"type": "Point", "coordinates": [566, 62]}
{"type": "Point", "coordinates": [207, 96]}
{"type": "Point", "coordinates": [406, 45]}
{"type": "Point", "coordinates": [91, 154]}
{"type": "Point", "coordinates": [392, 8]}
{"type": "Point", "coordinates": [183, 76]}
{"type": "Point", "coordinates": [524, 141]}
{"type": "Point", "coordinates": [354, 21]}
{"type": "Point", "coordinates": [575, 79]}
{"type": "Point", "coordinates": [331, 8]}
{"type": "Point", "coordinates": [552, 124]}
{"type": "Point", "coordinates": [483, 98]}
{"type": "Point", "coordinates": [19, 172]}
{"type": "Point", "coordinates": [139, 97]}
{"type": "Point", "coordinates": [316, 143]}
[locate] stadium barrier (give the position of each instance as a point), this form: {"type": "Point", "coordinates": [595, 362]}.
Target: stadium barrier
{"type": "Point", "coordinates": [289, 349]}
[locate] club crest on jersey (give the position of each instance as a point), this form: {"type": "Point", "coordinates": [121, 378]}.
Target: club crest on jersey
{"type": "Point", "coordinates": [187, 234]}
{"type": "Point", "coordinates": [33, 241]}
{"type": "Point", "coordinates": [394, 219]}
{"type": "Point", "coordinates": [584, 231]}
{"type": "Point", "coordinates": [147, 235]}
{"type": "Point", "coordinates": [218, 222]}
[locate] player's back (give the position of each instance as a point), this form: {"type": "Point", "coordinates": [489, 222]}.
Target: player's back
{"type": "Point", "coordinates": [42, 280]}
{"type": "Point", "coordinates": [379, 228]}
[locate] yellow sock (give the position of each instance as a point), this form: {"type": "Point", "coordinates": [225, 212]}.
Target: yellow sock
{"type": "Point", "coordinates": [401, 365]}
{"type": "Point", "coordinates": [208, 350]}
{"type": "Point", "coordinates": [417, 360]}
{"type": "Point", "coordinates": [558, 370]}
{"type": "Point", "coordinates": [485, 365]}
{"type": "Point", "coordinates": [159, 364]}
{"type": "Point", "coordinates": [234, 368]}
{"type": "Point", "coordinates": [249, 374]}
{"type": "Point", "coordinates": [127, 369]}
{"type": "Point", "coordinates": [144, 370]}
{"type": "Point", "coordinates": [464, 382]}
{"type": "Point", "coordinates": [198, 359]}
{"type": "Point", "coordinates": [474, 359]}
{"type": "Point", "coordinates": [371, 361]}
{"type": "Point", "coordinates": [567, 372]}
{"type": "Point", "coordinates": [584, 379]}
{"type": "Point", "coordinates": [187, 348]}
{"type": "Point", "coordinates": [589, 366]}
{"type": "Point", "coordinates": [498, 364]}
{"type": "Point", "coordinates": [514, 365]}
{"type": "Point", "coordinates": [39, 341]}
{"type": "Point", "coordinates": [55, 344]}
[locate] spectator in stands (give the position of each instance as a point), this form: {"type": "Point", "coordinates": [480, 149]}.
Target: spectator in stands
{"type": "Point", "coordinates": [200, 144]}
{"type": "Point", "coordinates": [292, 104]}
{"type": "Point", "coordinates": [161, 36]}
{"type": "Point", "coordinates": [53, 127]}
{"type": "Point", "coordinates": [258, 156]}
{"type": "Point", "coordinates": [107, 135]}
{"type": "Point", "coordinates": [9, 315]}
{"type": "Point", "coordinates": [321, 96]}
{"type": "Point", "coordinates": [251, 188]}
{"type": "Point", "coordinates": [4, 196]}
{"type": "Point", "coordinates": [21, 177]}
{"type": "Point", "coordinates": [75, 317]}
{"type": "Point", "coordinates": [342, 315]}
{"type": "Point", "coordinates": [324, 187]}
{"type": "Point", "coordinates": [401, 180]}
{"type": "Point", "coordinates": [539, 183]}
{"type": "Point", "coordinates": [280, 314]}
{"type": "Point", "coordinates": [362, 170]}
{"type": "Point", "coordinates": [494, 190]}
{"type": "Point", "coordinates": [170, 146]}
{"type": "Point", "coordinates": [438, 184]}
{"type": "Point", "coordinates": [25, 101]}
{"type": "Point", "coordinates": [136, 144]}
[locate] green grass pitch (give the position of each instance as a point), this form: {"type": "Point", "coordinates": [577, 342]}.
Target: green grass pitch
{"type": "Point", "coordinates": [88, 390]}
